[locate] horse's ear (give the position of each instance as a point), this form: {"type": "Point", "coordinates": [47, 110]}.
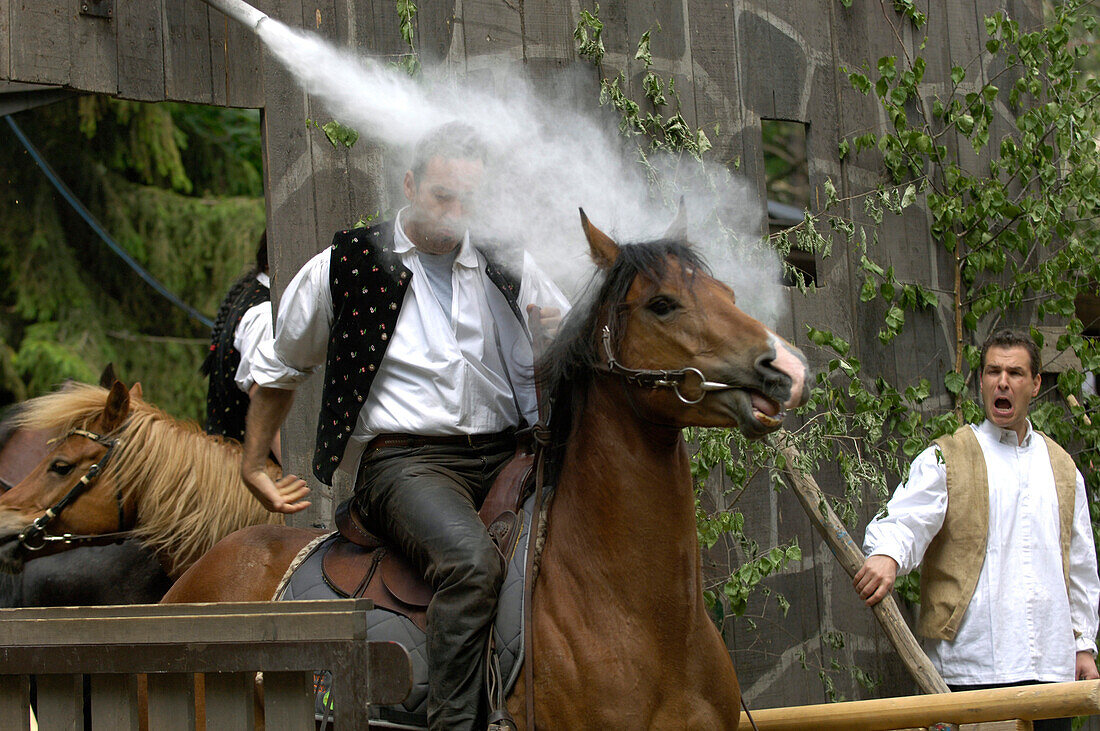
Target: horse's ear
{"type": "Point", "coordinates": [117, 408]}
{"type": "Point", "coordinates": [603, 249]}
{"type": "Point", "coordinates": [135, 391]}
{"type": "Point", "coordinates": [108, 377]}
{"type": "Point", "coordinates": [678, 229]}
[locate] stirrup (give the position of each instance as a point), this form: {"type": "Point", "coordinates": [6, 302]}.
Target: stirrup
{"type": "Point", "coordinates": [502, 721]}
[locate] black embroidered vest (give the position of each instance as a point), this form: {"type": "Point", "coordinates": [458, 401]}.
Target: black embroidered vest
{"type": "Point", "coordinates": [368, 284]}
{"type": "Point", "coordinates": [226, 404]}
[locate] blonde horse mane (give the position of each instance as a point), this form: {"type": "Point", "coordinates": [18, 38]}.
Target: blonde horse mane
{"type": "Point", "coordinates": [186, 484]}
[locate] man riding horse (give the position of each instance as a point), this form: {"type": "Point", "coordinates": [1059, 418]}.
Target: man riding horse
{"type": "Point", "coordinates": [428, 375]}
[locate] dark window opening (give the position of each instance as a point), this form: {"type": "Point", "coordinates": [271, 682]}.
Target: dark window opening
{"type": "Point", "coordinates": [787, 183]}
{"type": "Point", "coordinates": [1087, 307]}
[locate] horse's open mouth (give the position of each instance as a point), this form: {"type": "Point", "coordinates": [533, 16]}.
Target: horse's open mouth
{"type": "Point", "coordinates": [756, 414]}
{"type": "Point", "coordinates": [767, 412]}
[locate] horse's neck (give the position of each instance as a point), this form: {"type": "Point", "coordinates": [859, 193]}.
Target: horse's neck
{"type": "Point", "coordinates": [624, 496]}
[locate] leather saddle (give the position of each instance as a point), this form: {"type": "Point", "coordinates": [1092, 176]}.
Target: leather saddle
{"type": "Point", "coordinates": [359, 564]}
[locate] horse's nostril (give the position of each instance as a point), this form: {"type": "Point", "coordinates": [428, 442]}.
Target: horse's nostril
{"type": "Point", "coordinates": [769, 372]}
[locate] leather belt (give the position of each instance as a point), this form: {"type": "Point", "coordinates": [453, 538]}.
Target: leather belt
{"type": "Point", "coordinates": [451, 440]}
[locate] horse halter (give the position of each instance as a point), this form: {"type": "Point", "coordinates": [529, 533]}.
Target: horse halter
{"type": "Point", "coordinates": [661, 378]}
{"type": "Point", "coordinates": [34, 537]}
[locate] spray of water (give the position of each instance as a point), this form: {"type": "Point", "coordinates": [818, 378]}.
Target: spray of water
{"type": "Point", "coordinates": [552, 157]}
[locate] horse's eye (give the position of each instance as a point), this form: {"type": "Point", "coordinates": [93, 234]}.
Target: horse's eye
{"type": "Point", "coordinates": [61, 467]}
{"type": "Point", "coordinates": [662, 305]}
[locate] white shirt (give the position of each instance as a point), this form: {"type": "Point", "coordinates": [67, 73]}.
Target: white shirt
{"type": "Point", "coordinates": [442, 371]}
{"type": "Point", "coordinates": [1019, 625]}
{"type": "Point", "coordinates": [253, 329]}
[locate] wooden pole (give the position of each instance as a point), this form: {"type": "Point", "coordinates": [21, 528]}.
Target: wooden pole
{"type": "Point", "coordinates": [1029, 702]}
{"type": "Point", "coordinates": [851, 558]}
{"type": "Point", "coordinates": [1072, 401]}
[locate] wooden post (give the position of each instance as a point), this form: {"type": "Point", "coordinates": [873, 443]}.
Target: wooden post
{"type": "Point", "coordinates": [1028, 702]}
{"type": "Point", "coordinates": [851, 558]}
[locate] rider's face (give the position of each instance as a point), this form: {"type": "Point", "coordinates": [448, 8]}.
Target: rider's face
{"type": "Point", "coordinates": [441, 202]}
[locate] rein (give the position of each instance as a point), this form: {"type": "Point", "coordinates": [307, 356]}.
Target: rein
{"type": "Point", "coordinates": [673, 379]}
{"type": "Point", "coordinates": [34, 537]}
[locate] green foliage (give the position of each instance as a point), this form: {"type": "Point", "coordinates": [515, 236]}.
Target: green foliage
{"type": "Point", "coordinates": [1022, 231]}
{"type": "Point", "coordinates": [656, 131]}
{"type": "Point", "coordinates": [406, 13]}
{"type": "Point", "coordinates": [590, 47]}
{"type": "Point", "coordinates": [179, 188]}
{"type": "Point", "coordinates": [1018, 225]}
{"type": "Point", "coordinates": [336, 133]}
{"type": "Point", "coordinates": [183, 147]}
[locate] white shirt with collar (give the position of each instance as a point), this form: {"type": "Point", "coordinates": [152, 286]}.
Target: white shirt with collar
{"type": "Point", "coordinates": [1019, 624]}
{"type": "Point", "coordinates": [442, 372]}
{"type": "Point", "coordinates": [253, 329]}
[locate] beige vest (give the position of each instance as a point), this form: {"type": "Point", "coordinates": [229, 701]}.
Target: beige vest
{"type": "Point", "coordinates": [949, 571]}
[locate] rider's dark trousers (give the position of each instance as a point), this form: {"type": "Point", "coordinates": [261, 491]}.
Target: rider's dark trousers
{"type": "Point", "coordinates": [425, 499]}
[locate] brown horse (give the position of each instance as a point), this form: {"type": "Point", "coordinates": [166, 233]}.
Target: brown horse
{"type": "Point", "coordinates": [621, 637]}
{"type": "Point", "coordinates": [118, 573]}
{"type": "Point", "coordinates": [123, 467]}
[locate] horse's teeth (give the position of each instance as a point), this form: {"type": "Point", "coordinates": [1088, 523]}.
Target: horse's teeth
{"type": "Point", "coordinates": [765, 419]}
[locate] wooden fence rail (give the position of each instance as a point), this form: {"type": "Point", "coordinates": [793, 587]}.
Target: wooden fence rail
{"type": "Point", "coordinates": [1028, 702]}
{"type": "Point", "coordinates": [286, 641]}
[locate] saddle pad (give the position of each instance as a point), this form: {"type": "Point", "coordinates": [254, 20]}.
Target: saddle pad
{"type": "Point", "coordinates": [307, 582]}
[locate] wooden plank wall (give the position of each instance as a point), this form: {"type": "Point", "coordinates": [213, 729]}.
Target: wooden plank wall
{"type": "Point", "coordinates": [5, 39]}
{"type": "Point", "coordinates": [178, 50]}
{"type": "Point", "coordinates": [735, 62]}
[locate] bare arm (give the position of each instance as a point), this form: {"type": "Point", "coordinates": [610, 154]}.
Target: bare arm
{"type": "Point", "coordinates": [276, 441]}
{"type": "Point", "coordinates": [875, 578]}
{"type": "Point", "coordinates": [266, 413]}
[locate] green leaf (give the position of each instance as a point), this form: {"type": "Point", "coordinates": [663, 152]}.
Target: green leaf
{"type": "Point", "coordinates": [912, 447]}
{"type": "Point", "coordinates": [339, 134]}
{"type": "Point", "coordinates": [955, 382]}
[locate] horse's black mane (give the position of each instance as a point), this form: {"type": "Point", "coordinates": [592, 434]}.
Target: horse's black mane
{"type": "Point", "coordinates": [566, 366]}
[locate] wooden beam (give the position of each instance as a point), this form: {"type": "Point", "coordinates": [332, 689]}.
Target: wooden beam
{"type": "Point", "coordinates": [1027, 702]}
{"type": "Point", "coordinates": [1016, 724]}
{"type": "Point", "coordinates": [851, 558]}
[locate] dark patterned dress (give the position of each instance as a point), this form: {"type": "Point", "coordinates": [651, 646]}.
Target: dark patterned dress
{"type": "Point", "coordinates": [226, 404]}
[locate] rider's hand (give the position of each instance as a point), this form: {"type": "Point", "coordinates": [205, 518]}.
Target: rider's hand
{"type": "Point", "coordinates": [546, 319]}
{"type": "Point", "coordinates": [875, 578]}
{"type": "Point", "coordinates": [285, 496]}
{"type": "Point", "coordinates": [1086, 666]}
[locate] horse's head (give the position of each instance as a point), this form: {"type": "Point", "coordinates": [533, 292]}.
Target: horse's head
{"type": "Point", "coordinates": [71, 490]}
{"type": "Point", "coordinates": [675, 333]}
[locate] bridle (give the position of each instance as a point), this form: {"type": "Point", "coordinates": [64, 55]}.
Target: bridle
{"type": "Point", "coordinates": [34, 537]}
{"type": "Point", "coordinates": [673, 379]}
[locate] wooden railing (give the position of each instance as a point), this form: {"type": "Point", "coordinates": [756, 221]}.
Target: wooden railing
{"type": "Point", "coordinates": [1026, 703]}
{"type": "Point", "coordinates": [286, 641]}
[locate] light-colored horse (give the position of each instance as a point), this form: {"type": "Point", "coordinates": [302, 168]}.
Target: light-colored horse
{"type": "Point", "coordinates": [165, 482]}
